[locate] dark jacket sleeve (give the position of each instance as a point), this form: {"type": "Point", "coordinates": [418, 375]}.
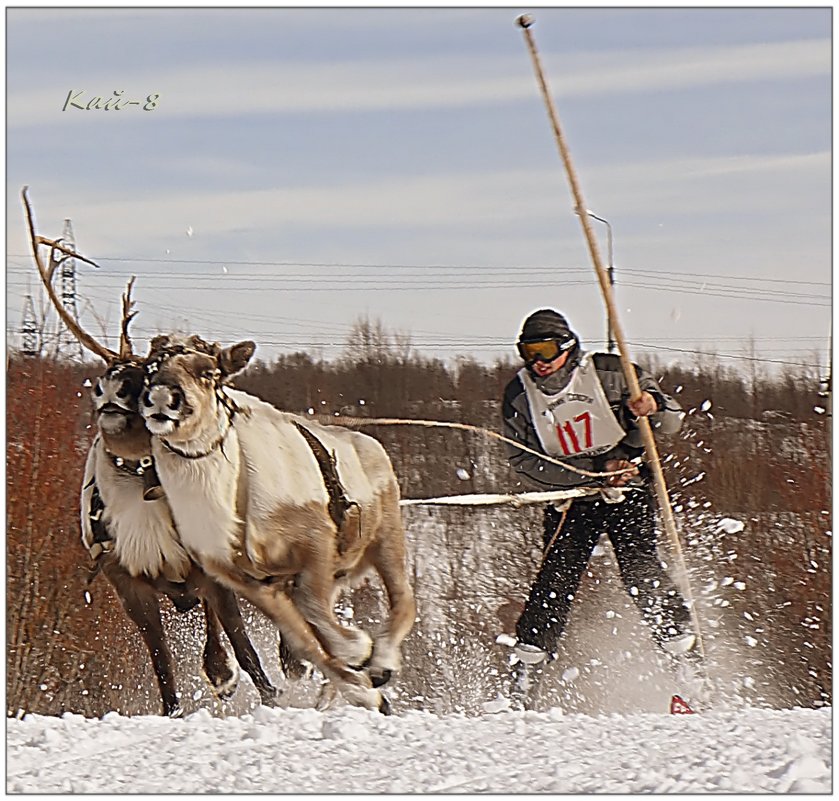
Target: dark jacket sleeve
{"type": "Point", "coordinates": [540, 473]}
{"type": "Point", "coordinates": [667, 420]}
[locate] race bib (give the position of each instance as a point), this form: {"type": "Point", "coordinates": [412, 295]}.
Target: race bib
{"type": "Point", "coordinates": [577, 421]}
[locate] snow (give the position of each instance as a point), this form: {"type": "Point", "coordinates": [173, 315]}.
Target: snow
{"type": "Point", "coordinates": [350, 750]}
{"type": "Point", "coordinates": [731, 526]}
{"type": "Point", "coordinates": [601, 725]}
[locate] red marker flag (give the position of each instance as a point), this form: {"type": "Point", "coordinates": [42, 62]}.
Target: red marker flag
{"type": "Point", "coordinates": [678, 706]}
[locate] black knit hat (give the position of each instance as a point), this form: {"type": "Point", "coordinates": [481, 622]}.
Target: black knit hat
{"type": "Point", "coordinates": [546, 324]}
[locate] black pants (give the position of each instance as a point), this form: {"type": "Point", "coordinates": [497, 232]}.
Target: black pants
{"type": "Point", "coordinates": [631, 528]}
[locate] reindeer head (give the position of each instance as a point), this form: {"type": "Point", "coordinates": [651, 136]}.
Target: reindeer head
{"type": "Point", "coordinates": [182, 398]}
{"type": "Point", "coordinates": [116, 393]}
{"type": "Point", "coordinates": [116, 398]}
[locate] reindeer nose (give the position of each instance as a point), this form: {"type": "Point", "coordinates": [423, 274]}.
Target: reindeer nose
{"type": "Point", "coordinates": [163, 396]}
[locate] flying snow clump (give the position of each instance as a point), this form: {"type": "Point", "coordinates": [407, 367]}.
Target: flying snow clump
{"type": "Point", "coordinates": [730, 526]}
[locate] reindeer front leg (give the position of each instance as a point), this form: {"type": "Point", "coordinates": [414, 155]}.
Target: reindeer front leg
{"type": "Point", "coordinates": [272, 600]}
{"type": "Point", "coordinates": [141, 603]}
{"type": "Point", "coordinates": [223, 604]}
{"type": "Point", "coordinates": [313, 595]}
{"type": "Point", "coordinates": [220, 671]}
{"type": "Point", "coordinates": [388, 557]}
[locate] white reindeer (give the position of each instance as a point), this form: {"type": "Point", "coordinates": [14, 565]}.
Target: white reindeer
{"type": "Point", "coordinates": [264, 498]}
{"type": "Point", "coordinates": [127, 526]}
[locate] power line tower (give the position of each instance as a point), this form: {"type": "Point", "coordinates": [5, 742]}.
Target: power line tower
{"type": "Point", "coordinates": [30, 338]}
{"type": "Point", "coordinates": [66, 341]}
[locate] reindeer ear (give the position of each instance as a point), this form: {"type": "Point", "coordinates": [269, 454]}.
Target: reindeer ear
{"type": "Point", "coordinates": [158, 342]}
{"type": "Point", "coordinates": [235, 358]}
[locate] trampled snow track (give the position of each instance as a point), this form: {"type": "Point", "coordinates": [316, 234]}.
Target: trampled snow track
{"type": "Point", "coordinates": [354, 751]}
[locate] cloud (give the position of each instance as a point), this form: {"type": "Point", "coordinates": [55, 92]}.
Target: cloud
{"type": "Point", "coordinates": [656, 70]}
{"type": "Point", "coordinates": [684, 187]}
{"type": "Point", "coordinates": [214, 89]}
{"type": "Point", "coordinates": [712, 184]}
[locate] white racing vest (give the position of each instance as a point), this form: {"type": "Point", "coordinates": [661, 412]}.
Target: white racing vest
{"type": "Point", "coordinates": [577, 420]}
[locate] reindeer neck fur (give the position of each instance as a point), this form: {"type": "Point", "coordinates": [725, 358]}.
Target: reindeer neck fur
{"type": "Point", "coordinates": [213, 436]}
{"type": "Point", "coordinates": [203, 492]}
{"type": "Point", "coordinates": [145, 538]}
{"type": "Point", "coordinates": [134, 443]}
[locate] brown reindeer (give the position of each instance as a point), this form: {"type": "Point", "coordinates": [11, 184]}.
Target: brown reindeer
{"type": "Point", "coordinates": [127, 526]}
{"type": "Point", "coordinates": [264, 499]}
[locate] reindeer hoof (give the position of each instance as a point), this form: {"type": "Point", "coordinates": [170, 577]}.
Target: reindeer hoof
{"type": "Point", "coordinates": [225, 693]}
{"type": "Point", "coordinates": [326, 697]}
{"type": "Point", "coordinates": [384, 706]}
{"type": "Point", "coordinates": [174, 712]}
{"type": "Point", "coordinates": [381, 678]}
{"type": "Point", "coordinates": [292, 668]}
{"type": "Point", "coordinates": [270, 697]}
{"type": "Point", "coordinates": [295, 671]}
{"type": "Point", "coordinates": [222, 678]}
{"type": "Point", "coordinates": [185, 603]}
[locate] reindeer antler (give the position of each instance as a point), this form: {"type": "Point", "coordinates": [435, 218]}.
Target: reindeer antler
{"type": "Point", "coordinates": [47, 275]}
{"type": "Point", "coordinates": [126, 349]}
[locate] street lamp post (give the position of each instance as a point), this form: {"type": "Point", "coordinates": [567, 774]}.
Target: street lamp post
{"type": "Point", "coordinates": [610, 272]}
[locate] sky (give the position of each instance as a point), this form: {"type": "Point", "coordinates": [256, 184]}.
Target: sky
{"type": "Point", "coordinates": [350, 750]}
{"type": "Point", "coordinates": [299, 170]}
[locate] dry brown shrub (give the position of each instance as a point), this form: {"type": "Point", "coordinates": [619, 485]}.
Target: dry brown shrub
{"type": "Point", "coordinates": [62, 654]}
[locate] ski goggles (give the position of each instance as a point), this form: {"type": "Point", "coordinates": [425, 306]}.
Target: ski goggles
{"type": "Point", "coordinates": [545, 350]}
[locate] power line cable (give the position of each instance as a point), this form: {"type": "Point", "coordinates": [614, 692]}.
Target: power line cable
{"type": "Point", "coordinates": [448, 268]}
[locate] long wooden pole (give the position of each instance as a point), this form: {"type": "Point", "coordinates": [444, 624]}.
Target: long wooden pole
{"type": "Point", "coordinates": [525, 21]}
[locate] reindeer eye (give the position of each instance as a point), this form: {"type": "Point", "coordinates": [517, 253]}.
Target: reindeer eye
{"type": "Point", "coordinates": [97, 390]}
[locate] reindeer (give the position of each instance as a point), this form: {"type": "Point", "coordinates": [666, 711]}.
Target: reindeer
{"type": "Point", "coordinates": [263, 499]}
{"type": "Point", "coordinates": [127, 526]}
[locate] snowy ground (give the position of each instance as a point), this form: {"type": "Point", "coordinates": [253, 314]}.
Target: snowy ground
{"type": "Point", "coordinates": [601, 724]}
{"type": "Point", "coordinates": [348, 750]}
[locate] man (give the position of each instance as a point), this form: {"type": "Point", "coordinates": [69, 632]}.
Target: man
{"type": "Point", "coordinates": [574, 406]}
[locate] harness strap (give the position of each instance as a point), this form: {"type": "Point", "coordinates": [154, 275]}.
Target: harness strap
{"type": "Point", "coordinates": [133, 467]}
{"type": "Point", "coordinates": [564, 508]}
{"type": "Point", "coordinates": [339, 503]}
{"type": "Point", "coordinates": [101, 535]}
{"type": "Point", "coordinates": [103, 542]}
{"type": "Point", "coordinates": [141, 468]}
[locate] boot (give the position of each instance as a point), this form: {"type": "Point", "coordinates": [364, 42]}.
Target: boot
{"type": "Point", "coordinates": [528, 665]}
{"type": "Point", "coordinates": [520, 686]}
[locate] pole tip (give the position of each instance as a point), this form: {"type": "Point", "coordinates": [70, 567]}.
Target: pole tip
{"type": "Point", "coordinates": [525, 20]}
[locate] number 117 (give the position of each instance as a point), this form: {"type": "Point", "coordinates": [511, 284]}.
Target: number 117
{"type": "Point", "coordinates": [568, 434]}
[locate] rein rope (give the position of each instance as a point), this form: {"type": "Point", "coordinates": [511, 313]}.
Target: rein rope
{"type": "Point", "coordinates": [360, 422]}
